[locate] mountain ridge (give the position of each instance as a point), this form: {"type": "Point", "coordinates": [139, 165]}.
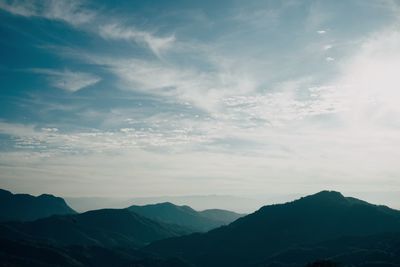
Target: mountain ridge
{"type": "Point", "coordinates": [198, 221]}
{"type": "Point", "coordinates": [308, 220]}
{"type": "Point", "coordinates": [25, 207]}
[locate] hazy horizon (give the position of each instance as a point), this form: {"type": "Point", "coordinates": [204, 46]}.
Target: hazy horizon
{"type": "Point", "coordinates": [238, 203]}
{"type": "Point", "coordinates": [194, 98]}
{"type": "Point", "coordinates": [241, 204]}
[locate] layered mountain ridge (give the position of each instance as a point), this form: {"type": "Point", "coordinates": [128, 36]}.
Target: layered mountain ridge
{"type": "Point", "coordinates": [324, 229]}
{"type": "Point", "coordinates": [185, 216]}
{"type": "Point", "coordinates": [106, 227]}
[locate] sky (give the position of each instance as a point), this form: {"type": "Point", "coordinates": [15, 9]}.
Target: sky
{"type": "Point", "coordinates": [156, 98]}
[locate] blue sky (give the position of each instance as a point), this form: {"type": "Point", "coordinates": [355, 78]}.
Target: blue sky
{"type": "Point", "coordinates": [146, 98]}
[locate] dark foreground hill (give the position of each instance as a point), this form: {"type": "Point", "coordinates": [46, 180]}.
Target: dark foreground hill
{"type": "Point", "coordinates": [369, 251]}
{"type": "Point", "coordinates": [107, 228]}
{"type": "Point", "coordinates": [33, 254]}
{"type": "Point", "coordinates": [24, 207]}
{"type": "Point", "coordinates": [258, 237]}
{"type": "Point", "coordinates": [380, 250]}
{"type": "Point", "coordinates": [186, 216]}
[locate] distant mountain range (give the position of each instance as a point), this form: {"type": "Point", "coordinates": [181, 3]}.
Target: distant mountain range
{"type": "Point", "coordinates": [241, 204]}
{"type": "Point", "coordinates": [197, 221]}
{"type": "Point", "coordinates": [197, 202]}
{"type": "Point", "coordinates": [324, 229]}
{"type": "Point", "coordinates": [273, 229]}
{"type": "Point", "coordinates": [132, 227]}
{"type": "Point", "coordinates": [135, 226]}
{"type": "Point", "coordinates": [24, 207]}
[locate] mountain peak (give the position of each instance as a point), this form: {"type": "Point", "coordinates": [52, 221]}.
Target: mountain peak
{"type": "Point", "coordinates": [329, 194]}
{"type": "Point", "coordinates": [49, 197]}
{"type": "Point", "coordinates": [166, 204]}
{"type": "Point", "coordinates": [325, 196]}
{"type": "Point", "coordinates": [5, 193]}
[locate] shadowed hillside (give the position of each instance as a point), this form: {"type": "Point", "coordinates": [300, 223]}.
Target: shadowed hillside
{"type": "Point", "coordinates": [107, 227]}
{"type": "Point", "coordinates": [32, 254]}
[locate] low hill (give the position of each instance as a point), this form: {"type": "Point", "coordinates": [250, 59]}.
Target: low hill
{"type": "Point", "coordinates": [223, 216]}
{"type": "Point", "coordinates": [186, 216]}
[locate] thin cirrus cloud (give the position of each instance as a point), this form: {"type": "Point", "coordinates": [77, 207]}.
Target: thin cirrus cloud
{"type": "Point", "coordinates": [71, 12]}
{"type": "Point", "coordinates": [74, 12]}
{"type": "Point", "coordinates": [203, 89]}
{"type": "Point", "coordinates": [68, 80]}
{"type": "Point", "coordinates": [154, 43]}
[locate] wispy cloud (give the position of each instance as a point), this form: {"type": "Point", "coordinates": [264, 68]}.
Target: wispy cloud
{"type": "Point", "coordinates": [154, 43]}
{"type": "Point", "coordinates": [76, 13]}
{"type": "Point", "coordinates": [72, 11]}
{"type": "Point", "coordinates": [68, 80]}
{"type": "Point", "coordinates": [203, 89]}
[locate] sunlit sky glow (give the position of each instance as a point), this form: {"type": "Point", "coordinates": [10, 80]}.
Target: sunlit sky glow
{"type": "Point", "coordinates": [147, 98]}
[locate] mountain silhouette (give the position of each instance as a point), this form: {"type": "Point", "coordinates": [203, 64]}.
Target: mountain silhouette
{"type": "Point", "coordinates": [186, 216]}
{"type": "Point", "coordinates": [324, 216]}
{"type": "Point", "coordinates": [106, 227]}
{"type": "Point", "coordinates": [24, 207]}
{"type": "Point", "coordinates": [324, 229]}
